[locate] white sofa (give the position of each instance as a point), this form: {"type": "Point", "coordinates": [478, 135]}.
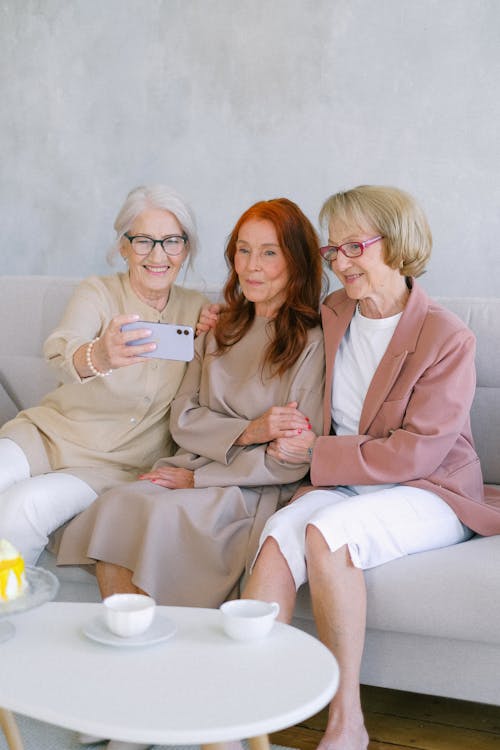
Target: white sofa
{"type": "Point", "coordinates": [434, 617]}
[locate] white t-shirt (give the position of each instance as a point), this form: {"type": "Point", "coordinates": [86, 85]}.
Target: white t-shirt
{"type": "Point", "coordinates": [358, 356]}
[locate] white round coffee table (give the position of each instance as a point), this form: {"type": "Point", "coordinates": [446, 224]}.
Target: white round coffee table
{"type": "Point", "coordinates": [196, 687]}
{"type": "Point", "coordinates": [42, 587]}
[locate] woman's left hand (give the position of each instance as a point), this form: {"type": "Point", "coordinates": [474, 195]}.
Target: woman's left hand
{"type": "Point", "coordinates": [171, 477]}
{"type": "Point", "coordinates": [293, 450]}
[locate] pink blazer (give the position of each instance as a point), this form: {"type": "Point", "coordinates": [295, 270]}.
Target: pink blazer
{"type": "Point", "coordinates": [415, 424]}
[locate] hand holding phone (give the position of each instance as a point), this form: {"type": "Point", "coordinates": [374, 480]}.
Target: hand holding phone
{"type": "Point", "coordinates": [172, 341]}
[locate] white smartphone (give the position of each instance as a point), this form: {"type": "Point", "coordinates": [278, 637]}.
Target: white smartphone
{"type": "Point", "coordinates": [172, 341]}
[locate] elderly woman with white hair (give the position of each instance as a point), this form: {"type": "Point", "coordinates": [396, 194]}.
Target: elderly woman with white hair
{"type": "Point", "coordinates": [109, 418]}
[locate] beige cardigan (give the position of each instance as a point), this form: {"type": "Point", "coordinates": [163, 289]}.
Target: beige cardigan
{"type": "Point", "coordinates": [104, 430]}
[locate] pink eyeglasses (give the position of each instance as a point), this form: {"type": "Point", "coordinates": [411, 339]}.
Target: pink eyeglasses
{"type": "Point", "coordinates": [349, 249]}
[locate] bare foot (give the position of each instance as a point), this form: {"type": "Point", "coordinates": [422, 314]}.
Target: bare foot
{"type": "Point", "coordinates": [345, 738]}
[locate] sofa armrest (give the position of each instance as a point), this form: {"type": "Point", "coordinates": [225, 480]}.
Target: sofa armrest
{"type": "Point", "coordinates": [8, 409]}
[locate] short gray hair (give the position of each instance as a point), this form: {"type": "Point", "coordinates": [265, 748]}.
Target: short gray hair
{"type": "Point", "coordinates": [155, 196]}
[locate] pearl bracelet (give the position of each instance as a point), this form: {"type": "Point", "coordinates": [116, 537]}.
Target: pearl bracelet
{"type": "Point", "coordinates": [90, 364]}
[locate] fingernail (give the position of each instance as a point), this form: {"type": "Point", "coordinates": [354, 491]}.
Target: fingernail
{"type": "Point", "coordinates": [309, 427]}
{"type": "Point", "coordinates": [299, 431]}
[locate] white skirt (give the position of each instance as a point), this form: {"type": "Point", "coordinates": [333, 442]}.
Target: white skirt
{"type": "Point", "coordinates": [376, 526]}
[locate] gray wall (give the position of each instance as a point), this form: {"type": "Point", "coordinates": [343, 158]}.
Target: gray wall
{"type": "Point", "coordinates": [231, 101]}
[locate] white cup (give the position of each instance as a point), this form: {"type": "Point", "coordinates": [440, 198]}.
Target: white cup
{"type": "Point", "coordinates": [128, 614]}
{"type": "Point", "coordinates": [246, 619]}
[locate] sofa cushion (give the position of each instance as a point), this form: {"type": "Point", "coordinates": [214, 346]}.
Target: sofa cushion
{"type": "Point", "coordinates": [442, 593]}
{"type": "Point", "coordinates": [34, 305]}
{"type": "Point", "coordinates": [485, 422]}
{"type": "Point", "coordinates": [481, 316]}
{"type": "Point", "coordinates": [27, 378]}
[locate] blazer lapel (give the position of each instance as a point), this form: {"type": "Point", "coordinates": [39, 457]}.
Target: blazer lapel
{"type": "Point", "coordinates": [335, 318]}
{"type": "Point", "coordinates": [382, 382]}
{"type": "Point", "coordinates": [403, 342]}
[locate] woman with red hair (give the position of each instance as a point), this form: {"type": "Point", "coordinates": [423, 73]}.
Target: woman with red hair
{"type": "Point", "coordinates": [187, 530]}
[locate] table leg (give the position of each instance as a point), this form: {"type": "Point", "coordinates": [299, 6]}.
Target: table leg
{"type": "Point", "coordinates": [254, 743]}
{"type": "Point", "coordinates": [259, 743]}
{"type": "Point", "coordinates": [10, 729]}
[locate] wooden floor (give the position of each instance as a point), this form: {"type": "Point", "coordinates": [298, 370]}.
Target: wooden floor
{"type": "Point", "coordinates": [398, 721]}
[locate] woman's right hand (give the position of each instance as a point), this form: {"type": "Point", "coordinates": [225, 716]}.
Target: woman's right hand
{"type": "Point", "coordinates": [276, 422]}
{"type": "Point", "coordinates": [111, 350]}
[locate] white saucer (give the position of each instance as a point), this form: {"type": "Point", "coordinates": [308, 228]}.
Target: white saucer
{"type": "Point", "coordinates": [161, 630]}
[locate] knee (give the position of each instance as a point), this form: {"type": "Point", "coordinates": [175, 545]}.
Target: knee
{"type": "Point", "coordinates": [269, 552]}
{"type": "Point", "coordinates": [319, 553]}
{"type": "Point", "coordinates": [14, 504]}
{"type": "Point", "coordinates": [17, 523]}
{"type": "Point", "coordinates": [314, 537]}
{"type": "Point", "coordinates": [274, 525]}
{"type": "Point", "coordinates": [316, 545]}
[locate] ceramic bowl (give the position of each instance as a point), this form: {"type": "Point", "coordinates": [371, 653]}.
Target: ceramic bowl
{"type": "Point", "coordinates": [128, 614]}
{"type": "Point", "coordinates": [247, 619]}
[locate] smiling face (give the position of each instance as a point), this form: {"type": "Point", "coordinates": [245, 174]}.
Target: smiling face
{"type": "Point", "coordinates": [261, 266]}
{"type": "Point", "coordinates": [151, 276]}
{"type": "Point", "coordinates": [381, 290]}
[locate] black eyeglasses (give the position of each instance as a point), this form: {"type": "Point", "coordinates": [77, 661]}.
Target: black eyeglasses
{"type": "Point", "coordinates": [172, 244]}
{"type": "Point", "coordinates": [349, 249]}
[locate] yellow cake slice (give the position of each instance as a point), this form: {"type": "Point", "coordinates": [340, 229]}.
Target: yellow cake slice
{"type": "Point", "coordinates": [12, 576]}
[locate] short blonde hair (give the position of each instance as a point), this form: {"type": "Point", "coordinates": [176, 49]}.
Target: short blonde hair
{"type": "Point", "coordinates": [391, 212]}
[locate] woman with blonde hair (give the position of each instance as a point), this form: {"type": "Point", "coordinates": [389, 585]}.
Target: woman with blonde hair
{"type": "Point", "coordinates": [394, 470]}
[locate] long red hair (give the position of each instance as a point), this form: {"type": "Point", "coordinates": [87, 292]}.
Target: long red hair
{"type": "Point", "coordinates": [299, 242]}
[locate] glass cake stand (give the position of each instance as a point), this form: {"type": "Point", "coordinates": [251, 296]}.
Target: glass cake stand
{"type": "Point", "coordinates": [42, 587]}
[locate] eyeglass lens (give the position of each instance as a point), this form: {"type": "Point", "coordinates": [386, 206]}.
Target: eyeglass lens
{"type": "Point", "coordinates": [173, 245]}
{"type": "Point", "coordinates": [350, 250]}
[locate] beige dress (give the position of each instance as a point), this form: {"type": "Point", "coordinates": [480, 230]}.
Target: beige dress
{"type": "Point", "coordinates": [104, 430]}
{"type": "Point", "coordinates": [190, 547]}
